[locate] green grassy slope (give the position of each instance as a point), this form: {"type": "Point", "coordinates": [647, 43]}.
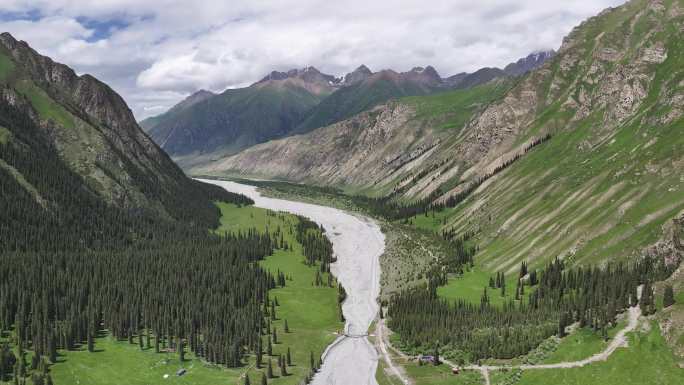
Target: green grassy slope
{"type": "Point", "coordinates": [353, 99]}
{"type": "Point", "coordinates": [648, 360]}
{"type": "Point", "coordinates": [608, 180]}
{"type": "Point", "coordinates": [44, 105]}
{"type": "Point", "coordinates": [6, 66]}
{"type": "Point", "coordinates": [453, 109]}
{"type": "Point", "coordinates": [234, 119]}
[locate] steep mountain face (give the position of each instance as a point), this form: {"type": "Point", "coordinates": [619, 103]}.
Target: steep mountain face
{"type": "Point", "coordinates": [238, 118]}
{"type": "Point", "coordinates": [80, 122]}
{"type": "Point", "coordinates": [583, 158]}
{"type": "Point", "coordinates": [186, 103]}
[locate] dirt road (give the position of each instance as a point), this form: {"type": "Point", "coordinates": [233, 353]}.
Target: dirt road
{"type": "Point", "coordinates": [619, 340]}
{"type": "Point", "coordinates": [381, 338]}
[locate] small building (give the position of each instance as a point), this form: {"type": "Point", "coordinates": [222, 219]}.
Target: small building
{"type": "Point", "coordinates": [427, 359]}
{"type": "Point", "coordinates": [455, 370]}
{"type": "Point", "coordinates": [181, 372]}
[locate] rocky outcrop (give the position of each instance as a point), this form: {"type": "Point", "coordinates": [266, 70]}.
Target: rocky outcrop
{"type": "Point", "coordinates": [671, 245]}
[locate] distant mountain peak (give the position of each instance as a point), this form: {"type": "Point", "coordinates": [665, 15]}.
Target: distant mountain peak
{"type": "Point", "coordinates": [425, 75]}
{"type": "Point", "coordinates": [358, 75]}
{"type": "Point", "coordinates": [308, 74]}
{"type": "Point", "coordinates": [528, 63]}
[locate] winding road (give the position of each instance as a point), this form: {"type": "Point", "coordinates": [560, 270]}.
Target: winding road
{"type": "Point", "coordinates": [357, 244]}
{"type": "Point", "coordinates": [619, 340]}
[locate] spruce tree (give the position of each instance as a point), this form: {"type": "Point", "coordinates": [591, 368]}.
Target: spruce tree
{"type": "Point", "coordinates": [646, 300]}
{"type": "Point", "coordinates": [311, 361]}
{"type": "Point", "coordinates": [286, 328]}
{"type": "Point", "coordinates": [484, 300]}
{"type": "Point", "coordinates": [533, 277]}
{"type": "Point", "coordinates": [562, 323]}
{"type": "Point", "coordinates": [283, 367]}
{"type": "Point", "coordinates": [259, 353]}
{"type": "Point", "coordinates": [264, 381]}
{"type": "Point", "coordinates": [289, 358]}
{"type": "Point", "coordinates": [269, 347]}
{"type": "Point", "coordinates": [275, 336]}
{"type": "Point", "coordinates": [269, 369]}
{"type": "Point", "coordinates": [668, 296]}
{"type": "Point", "coordinates": [523, 269]}
{"type": "Point", "coordinates": [246, 379]}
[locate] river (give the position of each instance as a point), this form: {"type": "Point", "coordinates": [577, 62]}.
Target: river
{"type": "Point", "coordinates": [357, 244]}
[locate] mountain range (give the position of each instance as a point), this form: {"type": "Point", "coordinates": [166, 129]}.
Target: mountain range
{"type": "Point", "coordinates": [581, 158]}
{"type": "Point", "coordinates": [206, 126]}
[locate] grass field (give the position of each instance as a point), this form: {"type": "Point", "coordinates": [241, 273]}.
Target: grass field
{"type": "Point", "coordinates": [471, 284]}
{"type": "Point", "coordinates": [648, 360]}
{"type": "Point", "coordinates": [582, 343]}
{"type": "Point", "coordinates": [311, 313]}
{"type": "Point", "coordinates": [433, 221]}
{"type": "Point", "coordinates": [440, 375]}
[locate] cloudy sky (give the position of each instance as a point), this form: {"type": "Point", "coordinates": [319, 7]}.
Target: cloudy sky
{"type": "Point", "coordinates": [155, 52]}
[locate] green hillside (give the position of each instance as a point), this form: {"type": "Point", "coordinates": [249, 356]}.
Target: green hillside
{"type": "Point", "coordinates": [359, 97]}
{"type": "Point", "coordinates": [237, 118]}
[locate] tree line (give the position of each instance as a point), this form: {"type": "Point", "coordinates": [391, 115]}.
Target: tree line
{"type": "Point", "coordinates": [592, 296]}
{"type": "Point", "coordinates": [316, 246]}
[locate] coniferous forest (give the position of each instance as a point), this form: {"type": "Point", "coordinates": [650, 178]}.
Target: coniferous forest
{"type": "Point", "coordinates": [591, 296]}
{"type": "Point", "coordinates": [317, 247]}
{"type": "Point", "coordinates": [75, 265]}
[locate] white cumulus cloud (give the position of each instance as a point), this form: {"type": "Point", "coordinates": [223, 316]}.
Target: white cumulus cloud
{"type": "Point", "coordinates": [157, 51]}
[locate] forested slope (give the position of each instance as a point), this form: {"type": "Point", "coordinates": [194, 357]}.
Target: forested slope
{"type": "Point", "coordinates": [101, 234]}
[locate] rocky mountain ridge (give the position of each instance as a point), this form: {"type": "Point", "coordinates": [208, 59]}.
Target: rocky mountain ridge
{"type": "Point", "coordinates": [285, 103]}
{"type": "Point", "coordinates": [93, 131]}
